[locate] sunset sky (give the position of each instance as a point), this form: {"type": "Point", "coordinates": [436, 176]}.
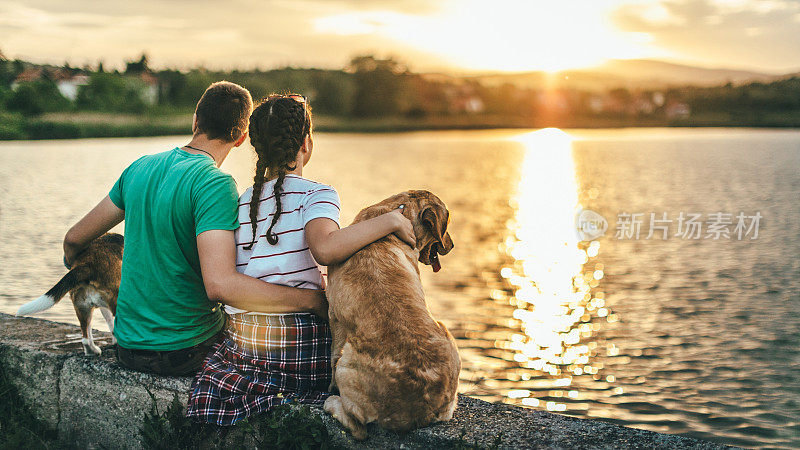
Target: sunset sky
{"type": "Point", "coordinates": [454, 35]}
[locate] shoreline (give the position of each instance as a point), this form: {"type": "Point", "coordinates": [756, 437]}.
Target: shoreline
{"type": "Point", "coordinates": [93, 125]}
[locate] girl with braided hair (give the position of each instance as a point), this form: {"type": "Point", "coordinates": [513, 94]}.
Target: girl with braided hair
{"type": "Point", "coordinates": [288, 226]}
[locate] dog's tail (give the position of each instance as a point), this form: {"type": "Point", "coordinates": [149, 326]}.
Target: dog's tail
{"type": "Point", "coordinates": [69, 282]}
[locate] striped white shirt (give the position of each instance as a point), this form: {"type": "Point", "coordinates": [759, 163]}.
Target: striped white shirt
{"type": "Point", "coordinates": [289, 262]}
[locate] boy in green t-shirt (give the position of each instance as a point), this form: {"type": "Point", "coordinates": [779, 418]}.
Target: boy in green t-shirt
{"type": "Point", "coordinates": [179, 262]}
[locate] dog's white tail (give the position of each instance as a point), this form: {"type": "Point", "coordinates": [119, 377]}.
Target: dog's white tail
{"type": "Point", "coordinates": [40, 304]}
{"type": "Point", "coordinates": [68, 282]}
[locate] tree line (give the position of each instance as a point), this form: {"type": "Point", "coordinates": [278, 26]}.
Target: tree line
{"type": "Point", "coordinates": [373, 87]}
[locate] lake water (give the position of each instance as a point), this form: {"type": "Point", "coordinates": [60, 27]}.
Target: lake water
{"type": "Point", "coordinates": [688, 336]}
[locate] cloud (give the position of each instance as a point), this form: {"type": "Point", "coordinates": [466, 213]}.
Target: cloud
{"type": "Point", "coordinates": [427, 34]}
{"type": "Point", "coordinates": [405, 6]}
{"type": "Point", "coordinates": [183, 33]}
{"type": "Point", "coordinates": [744, 33]}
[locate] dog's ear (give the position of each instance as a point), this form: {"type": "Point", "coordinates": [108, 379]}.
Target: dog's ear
{"type": "Point", "coordinates": [430, 218]}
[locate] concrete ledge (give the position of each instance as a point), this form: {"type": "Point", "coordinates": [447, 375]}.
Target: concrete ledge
{"type": "Point", "coordinates": [93, 402]}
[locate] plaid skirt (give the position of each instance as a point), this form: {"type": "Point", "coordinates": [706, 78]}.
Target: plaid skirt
{"type": "Point", "coordinates": [264, 360]}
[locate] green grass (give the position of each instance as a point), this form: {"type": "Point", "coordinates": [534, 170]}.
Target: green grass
{"type": "Point", "coordinates": [162, 122]}
{"type": "Point", "coordinates": [91, 125]}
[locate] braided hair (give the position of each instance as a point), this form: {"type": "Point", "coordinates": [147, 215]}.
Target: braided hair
{"type": "Point", "coordinates": [278, 127]}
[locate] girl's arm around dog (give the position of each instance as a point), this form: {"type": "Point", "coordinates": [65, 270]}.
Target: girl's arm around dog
{"type": "Point", "coordinates": [331, 245]}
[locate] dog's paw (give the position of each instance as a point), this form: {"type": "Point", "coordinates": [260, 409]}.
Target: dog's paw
{"type": "Point", "coordinates": [335, 407]}
{"type": "Point", "coordinates": [89, 348]}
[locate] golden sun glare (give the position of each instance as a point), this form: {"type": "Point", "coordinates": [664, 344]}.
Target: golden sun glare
{"type": "Point", "coordinates": [503, 35]}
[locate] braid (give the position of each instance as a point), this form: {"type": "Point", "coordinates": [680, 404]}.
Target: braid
{"type": "Point", "coordinates": [278, 127]}
{"type": "Point", "coordinates": [258, 183]}
{"type": "Point", "coordinates": [271, 237]}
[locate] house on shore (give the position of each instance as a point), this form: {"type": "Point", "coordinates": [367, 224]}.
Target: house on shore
{"type": "Point", "coordinates": [69, 82]}
{"type": "Point", "coordinates": [149, 89]}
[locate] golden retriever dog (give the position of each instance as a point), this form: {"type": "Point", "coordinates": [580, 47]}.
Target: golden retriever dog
{"type": "Point", "coordinates": [93, 282]}
{"type": "Point", "coordinates": [393, 363]}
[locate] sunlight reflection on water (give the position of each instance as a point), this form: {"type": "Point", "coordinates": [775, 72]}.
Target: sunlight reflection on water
{"type": "Point", "coordinates": [552, 291]}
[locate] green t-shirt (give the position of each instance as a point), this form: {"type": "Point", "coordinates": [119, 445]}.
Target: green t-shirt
{"type": "Point", "coordinates": [169, 198]}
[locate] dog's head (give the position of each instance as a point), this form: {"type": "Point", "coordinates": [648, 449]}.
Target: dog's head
{"type": "Point", "coordinates": [430, 218]}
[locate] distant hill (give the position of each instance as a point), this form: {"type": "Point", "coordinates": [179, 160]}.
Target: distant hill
{"type": "Point", "coordinates": [659, 71]}
{"type": "Point", "coordinates": [630, 73]}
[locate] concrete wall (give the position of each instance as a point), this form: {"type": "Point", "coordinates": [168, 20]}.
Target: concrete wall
{"type": "Point", "coordinates": [93, 402]}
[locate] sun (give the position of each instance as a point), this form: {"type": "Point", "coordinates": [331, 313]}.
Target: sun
{"type": "Point", "coordinates": [501, 35]}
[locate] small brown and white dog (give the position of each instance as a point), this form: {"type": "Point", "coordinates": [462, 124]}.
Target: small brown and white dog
{"type": "Point", "coordinates": [393, 363]}
{"type": "Point", "coordinates": [93, 282]}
